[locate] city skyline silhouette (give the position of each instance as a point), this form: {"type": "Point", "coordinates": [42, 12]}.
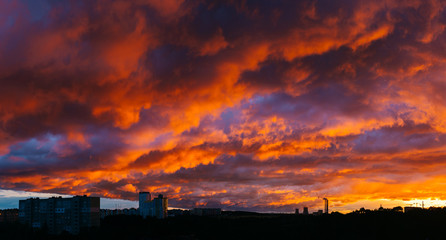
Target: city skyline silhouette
{"type": "Point", "coordinates": [258, 105]}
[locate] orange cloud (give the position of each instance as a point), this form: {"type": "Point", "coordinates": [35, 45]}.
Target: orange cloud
{"type": "Point", "coordinates": [228, 104]}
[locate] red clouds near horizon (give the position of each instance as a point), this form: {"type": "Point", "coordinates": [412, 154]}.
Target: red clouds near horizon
{"type": "Point", "coordinates": [260, 105]}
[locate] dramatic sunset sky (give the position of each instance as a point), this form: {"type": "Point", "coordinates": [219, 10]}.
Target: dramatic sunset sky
{"type": "Point", "coordinates": [261, 105]}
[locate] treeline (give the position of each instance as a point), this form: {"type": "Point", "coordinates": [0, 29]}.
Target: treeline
{"type": "Point", "coordinates": [422, 224]}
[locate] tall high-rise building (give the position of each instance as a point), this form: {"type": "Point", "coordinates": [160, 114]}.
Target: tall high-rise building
{"type": "Point", "coordinates": [152, 208]}
{"type": "Point", "coordinates": [160, 207]}
{"type": "Point", "coordinates": [325, 205]}
{"type": "Point", "coordinates": [144, 201]}
{"type": "Point", "coordinates": [305, 212]}
{"type": "Point", "coordinates": [60, 214]}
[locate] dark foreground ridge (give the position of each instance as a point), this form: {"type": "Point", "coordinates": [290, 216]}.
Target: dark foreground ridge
{"type": "Point", "coordinates": [423, 224]}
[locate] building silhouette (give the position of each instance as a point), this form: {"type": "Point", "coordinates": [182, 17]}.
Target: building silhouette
{"type": "Point", "coordinates": [318, 213]}
{"type": "Point", "coordinates": [9, 215]}
{"type": "Point", "coordinates": [159, 206]}
{"type": "Point", "coordinates": [325, 205]}
{"type": "Point", "coordinates": [206, 211]}
{"type": "Point", "coordinates": [305, 212]}
{"type": "Point", "coordinates": [60, 214]}
{"type": "Point", "coordinates": [115, 212]}
{"type": "Point", "coordinates": [412, 209]}
{"type": "Point", "coordinates": [144, 199]}
{"type": "Point", "coordinates": [152, 208]}
{"type": "Point", "coordinates": [177, 212]}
